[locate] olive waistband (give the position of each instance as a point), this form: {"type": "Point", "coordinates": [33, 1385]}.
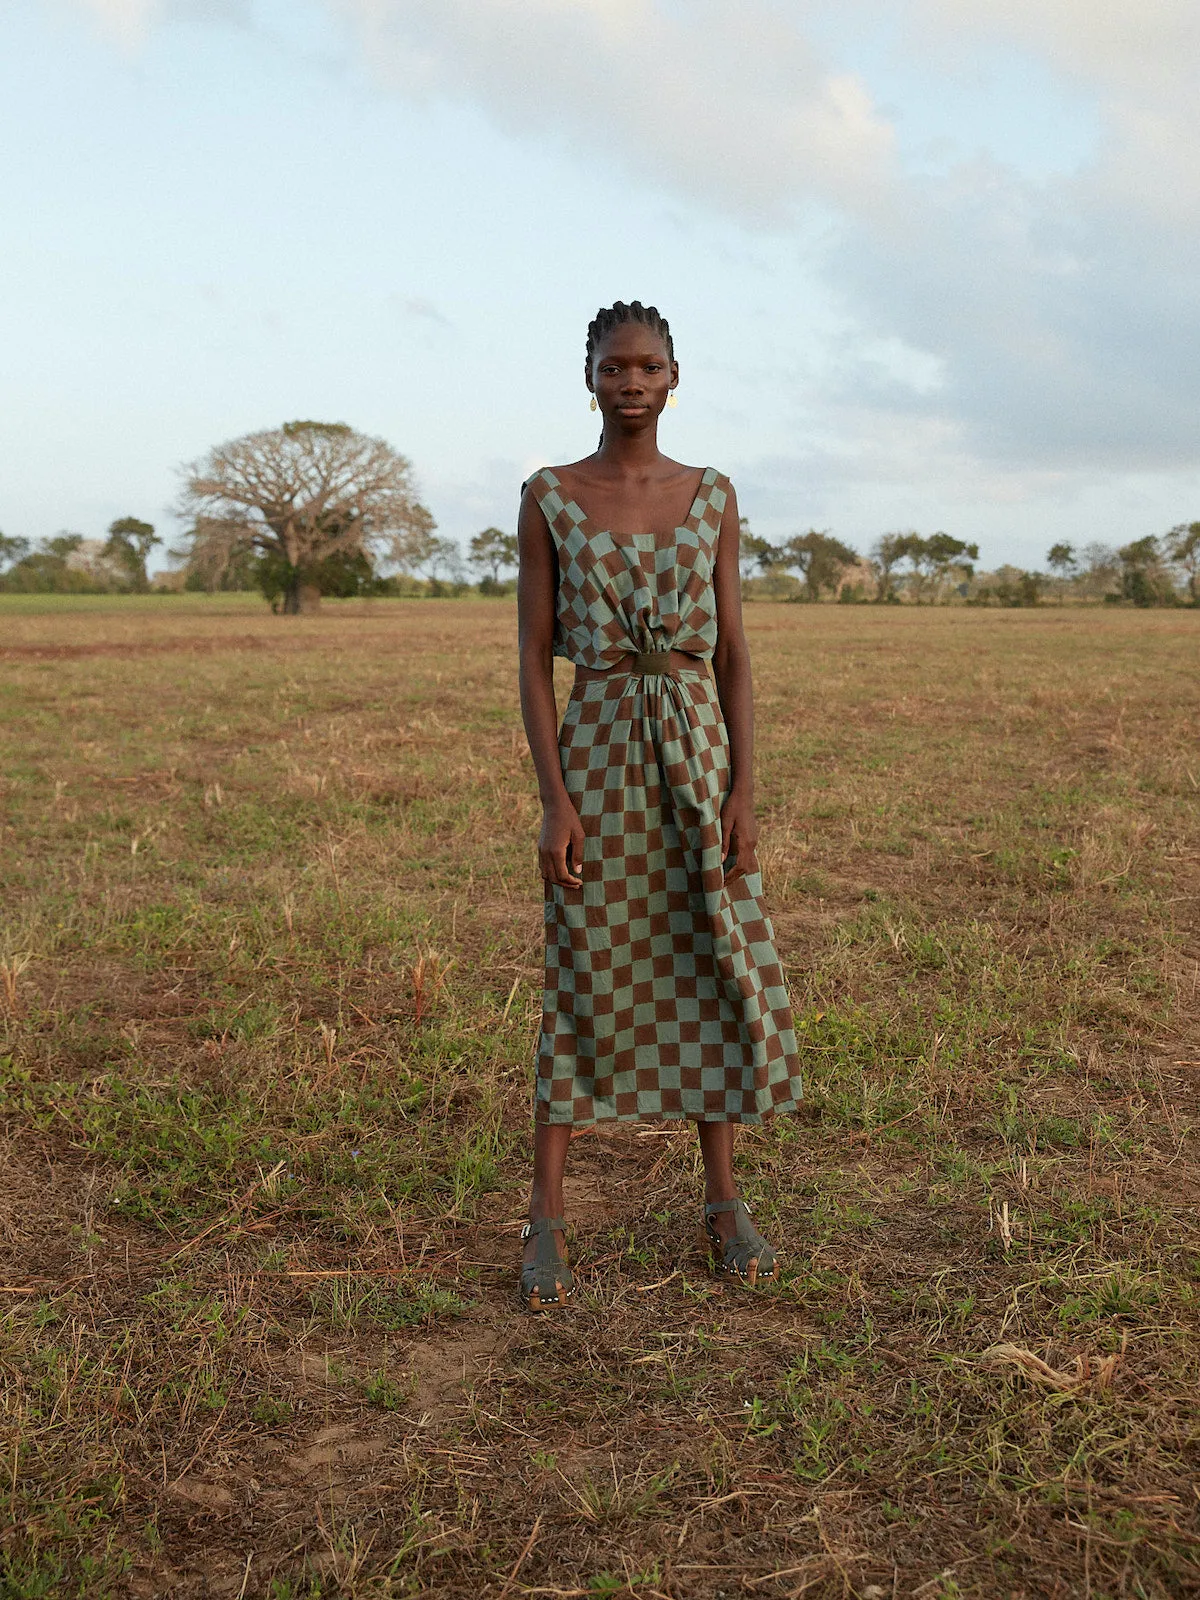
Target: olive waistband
{"type": "Point", "coordinates": [645, 664]}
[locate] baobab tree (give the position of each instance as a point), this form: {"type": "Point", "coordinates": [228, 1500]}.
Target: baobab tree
{"type": "Point", "coordinates": [306, 503]}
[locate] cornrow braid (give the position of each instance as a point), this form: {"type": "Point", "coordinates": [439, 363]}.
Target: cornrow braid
{"type": "Point", "coordinates": [610, 317]}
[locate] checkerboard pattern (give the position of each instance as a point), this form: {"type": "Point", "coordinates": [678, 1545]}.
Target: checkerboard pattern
{"type": "Point", "coordinates": [619, 592]}
{"type": "Point", "coordinates": [664, 996]}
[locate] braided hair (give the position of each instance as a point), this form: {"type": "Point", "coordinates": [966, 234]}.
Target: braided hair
{"type": "Point", "coordinates": [610, 317]}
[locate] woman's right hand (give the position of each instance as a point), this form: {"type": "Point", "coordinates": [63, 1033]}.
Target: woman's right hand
{"type": "Point", "coordinates": [560, 845]}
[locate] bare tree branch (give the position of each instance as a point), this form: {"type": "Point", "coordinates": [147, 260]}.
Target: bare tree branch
{"type": "Point", "coordinates": [301, 495]}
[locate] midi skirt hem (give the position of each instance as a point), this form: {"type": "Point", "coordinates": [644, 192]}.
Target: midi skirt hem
{"type": "Point", "coordinates": [748, 1118]}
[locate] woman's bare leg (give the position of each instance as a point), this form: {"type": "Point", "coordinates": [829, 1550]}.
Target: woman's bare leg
{"type": "Point", "coordinates": [716, 1146]}
{"type": "Point", "coordinates": [550, 1141]}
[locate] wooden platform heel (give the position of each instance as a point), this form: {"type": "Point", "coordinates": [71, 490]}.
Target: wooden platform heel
{"type": "Point", "coordinates": [747, 1257]}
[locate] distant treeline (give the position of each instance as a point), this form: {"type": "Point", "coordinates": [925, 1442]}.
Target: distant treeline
{"type": "Point", "coordinates": [940, 569]}
{"type": "Point", "coordinates": [814, 567]}
{"type": "Point", "coordinates": [316, 508]}
{"type": "Point", "coordinates": [70, 564]}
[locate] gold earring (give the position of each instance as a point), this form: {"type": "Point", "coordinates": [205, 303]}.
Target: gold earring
{"type": "Point", "coordinates": [595, 406]}
{"type": "Point", "coordinates": [672, 399]}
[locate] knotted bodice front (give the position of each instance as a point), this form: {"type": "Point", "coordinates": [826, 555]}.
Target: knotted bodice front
{"type": "Point", "coordinates": [620, 592]}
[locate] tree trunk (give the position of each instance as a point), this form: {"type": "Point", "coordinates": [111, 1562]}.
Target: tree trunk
{"type": "Point", "coordinates": [310, 597]}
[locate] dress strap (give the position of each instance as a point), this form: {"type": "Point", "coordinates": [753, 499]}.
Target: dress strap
{"type": "Point", "coordinates": [561, 515]}
{"type": "Point", "coordinates": [714, 492]}
{"type": "Point", "coordinates": [544, 484]}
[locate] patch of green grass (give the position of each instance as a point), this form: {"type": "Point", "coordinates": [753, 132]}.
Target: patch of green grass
{"type": "Point", "coordinates": [414, 1303]}
{"type": "Point", "coordinates": [264, 1106]}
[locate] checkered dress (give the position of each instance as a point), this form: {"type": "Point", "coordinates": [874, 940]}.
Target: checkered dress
{"type": "Point", "coordinates": [664, 995]}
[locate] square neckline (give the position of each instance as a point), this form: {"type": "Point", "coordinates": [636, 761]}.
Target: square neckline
{"type": "Point", "coordinates": [708, 478]}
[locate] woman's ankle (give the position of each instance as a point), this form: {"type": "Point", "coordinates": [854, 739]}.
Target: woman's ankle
{"type": "Point", "coordinates": [718, 1189]}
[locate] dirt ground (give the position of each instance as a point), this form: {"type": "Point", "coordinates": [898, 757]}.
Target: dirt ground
{"type": "Point", "coordinates": [270, 951]}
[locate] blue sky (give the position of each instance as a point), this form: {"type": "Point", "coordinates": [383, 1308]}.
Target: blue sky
{"type": "Point", "coordinates": [929, 263]}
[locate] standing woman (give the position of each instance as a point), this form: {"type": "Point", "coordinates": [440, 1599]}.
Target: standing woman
{"type": "Point", "coordinates": [664, 995]}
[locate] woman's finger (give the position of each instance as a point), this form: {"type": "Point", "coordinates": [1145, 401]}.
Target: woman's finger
{"type": "Point", "coordinates": [563, 874]}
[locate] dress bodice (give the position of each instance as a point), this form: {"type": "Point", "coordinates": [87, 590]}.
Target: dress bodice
{"type": "Point", "coordinates": [620, 592]}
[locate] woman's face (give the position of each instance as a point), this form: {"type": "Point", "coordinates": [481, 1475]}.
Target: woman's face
{"type": "Point", "coordinates": [631, 376]}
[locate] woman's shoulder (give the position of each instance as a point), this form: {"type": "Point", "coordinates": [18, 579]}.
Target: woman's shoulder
{"type": "Point", "coordinates": [550, 477]}
{"type": "Point", "coordinates": [712, 478]}
{"type": "Point", "coordinates": [546, 490]}
{"type": "Point", "coordinates": [682, 469]}
{"type": "Point", "coordinates": [539, 488]}
{"type": "Point", "coordinates": [565, 472]}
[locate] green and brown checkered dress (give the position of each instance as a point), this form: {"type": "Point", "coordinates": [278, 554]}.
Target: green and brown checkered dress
{"type": "Point", "coordinates": [664, 996]}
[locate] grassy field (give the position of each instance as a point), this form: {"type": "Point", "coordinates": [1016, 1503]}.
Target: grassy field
{"type": "Point", "coordinates": [271, 952]}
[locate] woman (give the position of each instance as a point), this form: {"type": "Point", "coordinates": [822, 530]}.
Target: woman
{"type": "Point", "coordinates": [664, 996]}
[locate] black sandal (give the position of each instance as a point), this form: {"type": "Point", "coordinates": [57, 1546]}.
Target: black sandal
{"type": "Point", "coordinates": [546, 1281]}
{"type": "Point", "coordinates": [747, 1256]}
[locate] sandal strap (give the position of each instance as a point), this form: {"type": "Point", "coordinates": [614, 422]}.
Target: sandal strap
{"type": "Point", "coordinates": [543, 1225]}
{"type": "Point", "coordinates": [548, 1276]}
{"type": "Point", "coordinates": [747, 1243]}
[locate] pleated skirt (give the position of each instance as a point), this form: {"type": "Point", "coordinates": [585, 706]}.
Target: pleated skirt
{"type": "Point", "coordinates": [664, 996]}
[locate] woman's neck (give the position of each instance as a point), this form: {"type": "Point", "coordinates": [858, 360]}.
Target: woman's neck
{"type": "Point", "coordinates": [629, 455]}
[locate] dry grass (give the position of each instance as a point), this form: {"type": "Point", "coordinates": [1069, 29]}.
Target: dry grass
{"type": "Point", "coordinates": [269, 972]}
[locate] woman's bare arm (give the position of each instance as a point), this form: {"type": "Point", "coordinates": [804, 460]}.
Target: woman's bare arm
{"type": "Point", "coordinates": [560, 844]}
{"type": "Point", "coordinates": [731, 666]}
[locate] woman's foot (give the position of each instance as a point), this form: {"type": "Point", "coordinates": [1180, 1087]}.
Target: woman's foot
{"type": "Point", "coordinates": [546, 1279]}
{"type": "Point", "coordinates": [738, 1249]}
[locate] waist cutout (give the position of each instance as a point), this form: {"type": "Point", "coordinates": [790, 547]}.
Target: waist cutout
{"type": "Point", "coordinates": [643, 664]}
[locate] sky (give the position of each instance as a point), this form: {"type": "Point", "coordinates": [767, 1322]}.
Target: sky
{"type": "Point", "coordinates": [929, 264]}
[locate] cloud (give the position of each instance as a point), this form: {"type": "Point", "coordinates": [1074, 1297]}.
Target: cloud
{"type": "Point", "coordinates": [1141, 63]}
{"type": "Point", "coordinates": [728, 104]}
{"type": "Point", "coordinates": [1149, 47]}
{"type": "Point", "coordinates": [131, 21]}
{"type": "Point", "coordinates": [1062, 315]}
{"type": "Point", "coordinates": [127, 20]}
{"type": "Point", "coordinates": [1052, 323]}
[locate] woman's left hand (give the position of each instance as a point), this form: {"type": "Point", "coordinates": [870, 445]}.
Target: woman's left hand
{"type": "Point", "coordinates": [739, 834]}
